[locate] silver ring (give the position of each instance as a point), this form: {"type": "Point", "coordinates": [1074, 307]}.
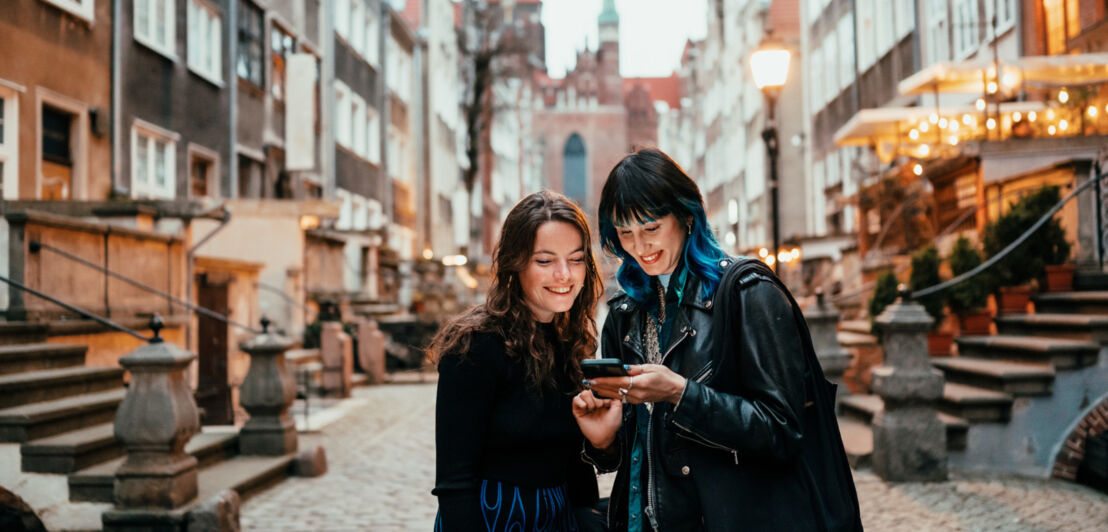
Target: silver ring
{"type": "Point", "coordinates": [630, 382]}
{"type": "Point", "coordinates": [623, 391]}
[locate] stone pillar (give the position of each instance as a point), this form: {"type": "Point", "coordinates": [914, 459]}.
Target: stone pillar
{"type": "Point", "coordinates": [338, 359]}
{"type": "Point", "coordinates": [154, 422]}
{"type": "Point", "coordinates": [823, 320]}
{"type": "Point", "coordinates": [909, 441]}
{"type": "Point", "coordinates": [267, 393]}
{"type": "Point", "coordinates": [371, 350]}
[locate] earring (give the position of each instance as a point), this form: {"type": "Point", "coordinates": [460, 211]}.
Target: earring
{"type": "Point", "coordinates": [690, 228]}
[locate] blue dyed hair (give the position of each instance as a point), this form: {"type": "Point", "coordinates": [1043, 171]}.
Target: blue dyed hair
{"type": "Point", "coordinates": [648, 185]}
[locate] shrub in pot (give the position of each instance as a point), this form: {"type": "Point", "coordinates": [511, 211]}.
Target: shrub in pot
{"type": "Point", "coordinates": [884, 294]}
{"type": "Point", "coordinates": [968, 298]}
{"type": "Point", "coordinates": [925, 273]}
{"type": "Point", "coordinates": [1028, 261]}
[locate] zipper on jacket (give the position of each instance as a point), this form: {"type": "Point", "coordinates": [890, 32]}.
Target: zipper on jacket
{"type": "Point", "coordinates": [703, 374]}
{"type": "Point", "coordinates": [649, 510]}
{"type": "Point", "coordinates": [705, 441]}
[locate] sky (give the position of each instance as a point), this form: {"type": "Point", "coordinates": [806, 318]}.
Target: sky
{"type": "Point", "coordinates": [652, 33]}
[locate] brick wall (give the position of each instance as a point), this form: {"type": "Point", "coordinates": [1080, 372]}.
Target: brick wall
{"type": "Point", "coordinates": [1073, 449]}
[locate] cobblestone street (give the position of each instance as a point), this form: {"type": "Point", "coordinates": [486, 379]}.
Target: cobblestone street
{"type": "Point", "coordinates": [381, 459]}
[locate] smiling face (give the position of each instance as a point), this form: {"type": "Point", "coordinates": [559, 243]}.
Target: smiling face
{"type": "Point", "coordinates": [555, 272]}
{"type": "Point", "coordinates": [656, 245]}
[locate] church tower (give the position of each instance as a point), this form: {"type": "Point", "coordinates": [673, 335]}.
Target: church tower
{"type": "Point", "coordinates": [607, 57]}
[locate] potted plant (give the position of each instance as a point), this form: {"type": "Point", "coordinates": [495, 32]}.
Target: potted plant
{"type": "Point", "coordinates": [968, 298]}
{"type": "Point", "coordinates": [884, 294]}
{"type": "Point", "coordinates": [925, 273]}
{"type": "Point", "coordinates": [1048, 245]}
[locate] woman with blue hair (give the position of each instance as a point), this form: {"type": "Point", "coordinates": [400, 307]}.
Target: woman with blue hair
{"type": "Point", "coordinates": [722, 421]}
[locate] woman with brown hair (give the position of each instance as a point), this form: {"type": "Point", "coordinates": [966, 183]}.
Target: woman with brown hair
{"type": "Point", "coordinates": [507, 446]}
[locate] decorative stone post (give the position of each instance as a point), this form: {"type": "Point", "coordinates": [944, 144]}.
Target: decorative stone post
{"type": "Point", "coordinates": [154, 422]}
{"type": "Point", "coordinates": [338, 359]}
{"type": "Point", "coordinates": [909, 441]}
{"type": "Point", "coordinates": [267, 393]}
{"type": "Point", "coordinates": [823, 320]}
{"type": "Point", "coordinates": [371, 350]}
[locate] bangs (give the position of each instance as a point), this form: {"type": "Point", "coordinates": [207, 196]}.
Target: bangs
{"type": "Point", "coordinates": [637, 199]}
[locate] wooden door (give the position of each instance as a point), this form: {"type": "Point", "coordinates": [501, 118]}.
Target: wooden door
{"type": "Point", "coordinates": [213, 393]}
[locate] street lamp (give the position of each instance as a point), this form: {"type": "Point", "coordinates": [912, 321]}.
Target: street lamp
{"type": "Point", "coordinates": [770, 66]}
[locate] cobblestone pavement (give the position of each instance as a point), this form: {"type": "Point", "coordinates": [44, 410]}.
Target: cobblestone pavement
{"type": "Point", "coordinates": [381, 460]}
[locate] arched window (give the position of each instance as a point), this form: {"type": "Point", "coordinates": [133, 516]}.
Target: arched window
{"type": "Point", "coordinates": [574, 175]}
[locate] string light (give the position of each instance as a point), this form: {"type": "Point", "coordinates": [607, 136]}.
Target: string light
{"type": "Point", "coordinates": [1009, 80]}
{"type": "Point", "coordinates": [934, 118]}
{"type": "Point", "coordinates": [1052, 130]}
{"type": "Point", "coordinates": [954, 125]}
{"type": "Point", "coordinates": [917, 169]}
{"type": "Point", "coordinates": [1092, 111]}
{"type": "Point", "coordinates": [913, 134]}
{"type": "Point", "coordinates": [924, 150]}
{"type": "Point", "coordinates": [1062, 124]}
{"type": "Point", "coordinates": [953, 140]}
{"type": "Point", "coordinates": [1050, 114]}
{"type": "Point", "coordinates": [942, 123]}
{"type": "Point", "coordinates": [1063, 96]}
{"type": "Point", "coordinates": [966, 118]}
{"type": "Point", "coordinates": [923, 127]}
{"type": "Point", "coordinates": [1031, 116]}
{"type": "Point", "coordinates": [991, 124]}
{"type": "Point", "coordinates": [992, 87]}
{"type": "Point", "coordinates": [1016, 116]}
{"type": "Point", "coordinates": [979, 104]}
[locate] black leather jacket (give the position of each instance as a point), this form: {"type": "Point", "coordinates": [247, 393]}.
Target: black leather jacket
{"type": "Point", "coordinates": [725, 457]}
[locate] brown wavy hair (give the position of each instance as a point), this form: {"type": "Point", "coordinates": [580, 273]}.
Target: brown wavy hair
{"type": "Point", "coordinates": [505, 312]}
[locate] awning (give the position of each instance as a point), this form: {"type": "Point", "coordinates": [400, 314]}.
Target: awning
{"type": "Point", "coordinates": [970, 77]}
{"type": "Point", "coordinates": [965, 77]}
{"type": "Point", "coordinates": [871, 126]}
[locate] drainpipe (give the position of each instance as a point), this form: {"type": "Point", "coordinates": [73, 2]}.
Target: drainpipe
{"type": "Point", "coordinates": [232, 105]}
{"type": "Point", "coordinates": [116, 99]}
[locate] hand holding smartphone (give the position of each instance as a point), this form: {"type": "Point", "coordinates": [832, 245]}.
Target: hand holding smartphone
{"type": "Point", "coordinates": [592, 368]}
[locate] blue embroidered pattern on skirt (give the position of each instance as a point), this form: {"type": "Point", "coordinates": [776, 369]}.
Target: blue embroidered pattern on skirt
{"type": "Point", "coordinates": [509, 508]}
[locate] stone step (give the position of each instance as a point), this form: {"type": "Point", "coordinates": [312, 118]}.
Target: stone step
{"type": "Point", "coordinates": [1016, 378]}
{"type": "Point", "coordinates": [976, 405]}
{"type": "Point", "coordinates": [855, 326]}
{"type": "Point", "coordinates": [18, 358]}
{"type": "Point", "coordinates": [1083, 327]}
{"type": "Point", "coordinates": [70, 451]}
{"type": "Point", "coordinates": [47, 418]}
{"type": "Point", "coordinates": [247, 475]}
{"type": "Point", "coordinates": [22, 332]}
{"type": "Point", "coordinates": [95, 483]}
{"type": "Point", "coordinates": [1085, 302]}
{"type": "Point", "coordinates": [863, 408]}
{"type": "Point", "coordinates": [49, 384]}
{"type": "Point", "coordinates": [1064, 354]}
{"type": "Point", "coordinates": [1090, 280]}
{"type": "Point", "coordinates": [849, 339]}
{"type": "Point", "coordinates": [857, 441]}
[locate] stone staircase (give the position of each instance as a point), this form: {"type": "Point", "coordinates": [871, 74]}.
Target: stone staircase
{"type": "Point", "coordinates": [61, 412]}
{"type": "Point", "coordinates": [1014, 373]}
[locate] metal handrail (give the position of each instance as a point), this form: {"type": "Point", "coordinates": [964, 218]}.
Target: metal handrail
{"type": "Point", "coordinates": [102, 320]}
{"type": "Point", "coordinates": [289, 299]}
{"type": "Point", "coordinates": [1004, 252]}
{"type": "Point", "coordinates": [35, 246]}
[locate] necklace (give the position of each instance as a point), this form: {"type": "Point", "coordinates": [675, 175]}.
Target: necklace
{"type": "Point", "coordinates": [654, 325]}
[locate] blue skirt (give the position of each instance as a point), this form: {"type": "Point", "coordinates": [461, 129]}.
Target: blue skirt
{"type": "Point", "coordinates": [509, 508]}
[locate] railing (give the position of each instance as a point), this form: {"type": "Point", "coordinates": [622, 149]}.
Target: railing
{"type": "Point", "coordinates": [35, 246]}
{"type": "Point", "coordinates": [155, 323]}
{"type": "Point", "coordinates": [1100, 237]}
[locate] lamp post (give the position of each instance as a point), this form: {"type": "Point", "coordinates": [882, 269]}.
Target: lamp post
{"type": "Point", "coordinates": [770, 66]}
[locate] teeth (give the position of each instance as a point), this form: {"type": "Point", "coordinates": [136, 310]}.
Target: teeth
{"type": "Point", "coordinates": [650, 258]}
{"type": "Point", "coordinates": [560, 290]}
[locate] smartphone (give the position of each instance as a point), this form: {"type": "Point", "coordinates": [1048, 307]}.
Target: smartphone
{"type": "Point", "coordinates": [602, 367]}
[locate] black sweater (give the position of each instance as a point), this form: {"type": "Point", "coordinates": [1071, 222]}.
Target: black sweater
{"type": "Point", "coordinates": [490, 426]}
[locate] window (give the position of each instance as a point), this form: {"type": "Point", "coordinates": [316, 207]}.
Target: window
{"type": "Point", "coordinates": [282, 45]}
{"type": "Point", "coordinates": [250, 44]}
{"type": "Point", "coordinates": [155, 25]}
{"type": "Point", "coordinates": [205, 56]}
{"type": "Point", "coordinates": [372, 35]}
{"type": "Point", "coordinates": [153, 163]}
{"type": "Point", "coordinates": [965, 27]}
{"type": "Point", "coordinates": [373, 136]}
{"type": "Point", "coordinates": [815, 68]}
{"type": "Point", "coordinates": [846, 51]}
{"type": "Point", "coordinates": [906, 17]}
{"type": "Point", "coordinates": [885, 24]}
{"type": "Point", "coordinates": [357, 28]}
{"type": "Point", "coordinates": [203, 172]}
{"type": "Point", "coordinates": [342, 24]}
{"type": "Point", "coordinates": [9, 140]}
{"type": "Point", "coordinates": [343, 134]}
{"type": "Point", "coordinates": [938, 32]}
{"type": "Point", "coordinates": [830, 80]}
{"type": "Point", "coordinates": [1061, 23]}
{"type": "Point", "coordinates": [357, 117]}
{"type": "Point", "coordinates": [866, 34]}
{"type": "Point", "coordinates": [396, 152]}
{"type": "Point", "coordinates": [81, 8]}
